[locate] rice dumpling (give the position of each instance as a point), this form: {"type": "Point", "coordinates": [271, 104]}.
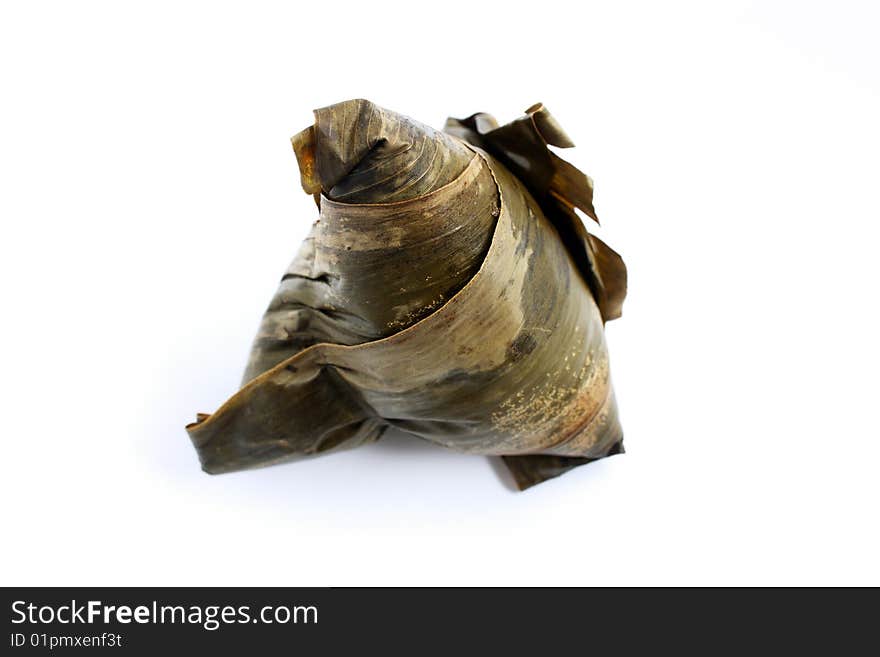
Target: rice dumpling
{"type": "Point", "coordinates": [448, 289]}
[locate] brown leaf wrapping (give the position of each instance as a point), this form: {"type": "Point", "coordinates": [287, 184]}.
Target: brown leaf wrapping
{"type": "Point", "coordinates": [436, 294]}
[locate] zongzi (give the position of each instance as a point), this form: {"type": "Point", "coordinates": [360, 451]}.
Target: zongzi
{"type": "Point", "coordinates": [448, 289]}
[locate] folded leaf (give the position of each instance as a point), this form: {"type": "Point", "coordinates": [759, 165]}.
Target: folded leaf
{"type": "Point", "coordinates": [441, 293]}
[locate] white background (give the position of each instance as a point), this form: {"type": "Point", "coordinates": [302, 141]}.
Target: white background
{"type": "Point", "coordinates": [150, 202]}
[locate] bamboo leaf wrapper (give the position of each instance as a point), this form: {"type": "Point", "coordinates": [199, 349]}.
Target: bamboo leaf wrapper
{"type": "Point", "coordinates": [448, 289]}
